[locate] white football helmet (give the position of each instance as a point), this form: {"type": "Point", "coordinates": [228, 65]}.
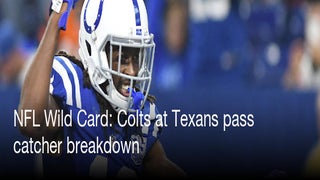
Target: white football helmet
{"type": "Point", "coordinates": [118, 23]}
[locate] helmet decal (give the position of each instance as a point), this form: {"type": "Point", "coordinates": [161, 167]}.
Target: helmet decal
{"type": "Point", "coordinates": [137, 14]}
{"type": "Point", "coordinates": [97, 21]}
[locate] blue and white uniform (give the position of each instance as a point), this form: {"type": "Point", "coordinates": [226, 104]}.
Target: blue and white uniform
{"type": "Point", "coordinates": [67, 87]}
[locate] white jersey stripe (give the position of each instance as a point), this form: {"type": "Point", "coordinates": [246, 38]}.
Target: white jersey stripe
{"type": "Point", "coordinates": [152, 111]}
{"type": "Point", "coordinates": [57, 66]}
{"type": "Point", "coordinates": [145, 129]}
{"type": "Point", "coordinates": [153, 116]}
{"type": "Point", "coordinates": [155, 130]}
{"type": "Point", "coordinates": [76, 82]}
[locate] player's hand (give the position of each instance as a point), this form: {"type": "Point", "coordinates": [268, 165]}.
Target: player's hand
{"type": "Point", "coordinates": [56, 6]}
{"type": "Point", "coordinates": [137, 98]}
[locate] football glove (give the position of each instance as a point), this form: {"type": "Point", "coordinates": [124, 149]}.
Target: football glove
{"type": "Point", "coordinates": [56, 6]}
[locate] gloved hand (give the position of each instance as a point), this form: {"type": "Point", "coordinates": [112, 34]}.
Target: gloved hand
{"type": "Point", "coordinates": [137, 98]}
{"type": "Point", "coordinates": [56, 6]}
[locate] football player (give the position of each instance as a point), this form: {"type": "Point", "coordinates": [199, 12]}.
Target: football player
{"type": "Point", "coordinates": [113, 75]}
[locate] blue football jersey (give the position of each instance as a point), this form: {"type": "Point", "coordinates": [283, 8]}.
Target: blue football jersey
{"type": "Point", "coordinates": [80, 103]}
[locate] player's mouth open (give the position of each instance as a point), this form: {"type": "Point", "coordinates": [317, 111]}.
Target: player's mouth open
{"type": "Point", "coordinates": [124, 90]}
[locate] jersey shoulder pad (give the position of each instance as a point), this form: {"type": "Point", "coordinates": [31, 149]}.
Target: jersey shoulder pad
{"type": "Point", "coordinates": [66, 80]}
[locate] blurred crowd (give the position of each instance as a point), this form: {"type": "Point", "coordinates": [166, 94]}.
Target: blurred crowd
{"type": "Point", "coordinates": [22, 24]}
{"type": "Point", "coordinates": [264, 43]}
{"type": "Point", "coordinates": [268, 43]}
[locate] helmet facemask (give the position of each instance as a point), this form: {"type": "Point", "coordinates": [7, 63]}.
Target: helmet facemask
{"type": "Point", "coordinates": [128, 68]}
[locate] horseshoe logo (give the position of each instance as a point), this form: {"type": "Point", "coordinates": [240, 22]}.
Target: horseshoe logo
{"type": "Point", "coordinates": [88, 28]}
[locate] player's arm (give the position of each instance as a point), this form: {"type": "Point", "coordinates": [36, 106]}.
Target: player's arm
{"type": "Point", "coordinates": [35, 90]}
{"type": "Point", "coordinates": [157, 164]}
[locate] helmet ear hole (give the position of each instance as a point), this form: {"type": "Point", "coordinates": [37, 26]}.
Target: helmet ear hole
{"type": "Point", "coordinates": [88, 48]}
